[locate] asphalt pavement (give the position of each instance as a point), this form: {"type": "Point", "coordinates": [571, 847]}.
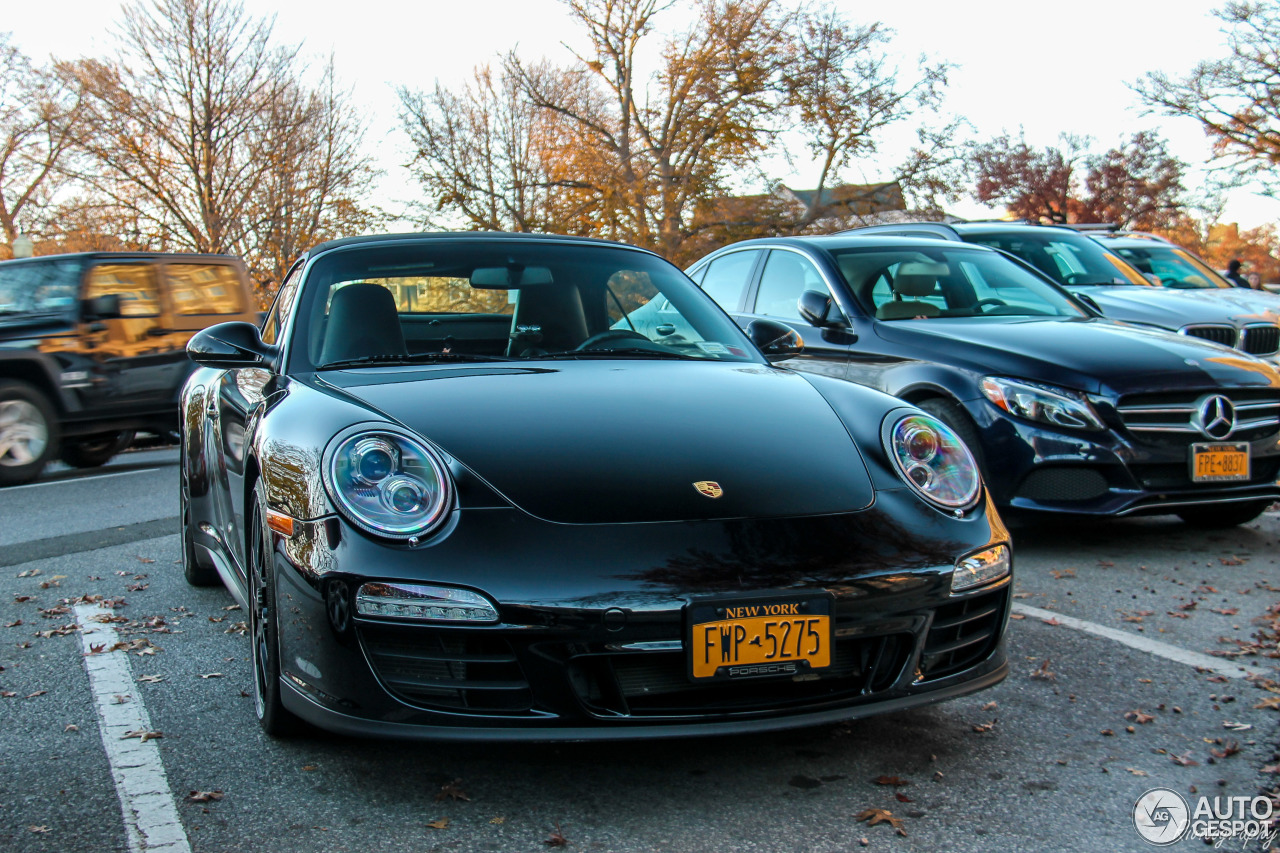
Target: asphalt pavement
{"type": "Point", "coordinates": [1044, 761]}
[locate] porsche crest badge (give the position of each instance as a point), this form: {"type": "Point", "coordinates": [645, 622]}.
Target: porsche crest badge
{"type": "Point", "coordinates": [710, 488]}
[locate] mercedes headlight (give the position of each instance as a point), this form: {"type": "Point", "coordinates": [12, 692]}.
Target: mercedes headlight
{"type": "Point", "coordinates": [1043, 403]}
{"type": "Point", "coordinates": [387, 483]}
{"type": "Point", "coordinates": [934, 461]}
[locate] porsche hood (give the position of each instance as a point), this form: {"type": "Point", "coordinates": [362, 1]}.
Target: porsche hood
{"type": "Point", "coordinates": [617, 441]}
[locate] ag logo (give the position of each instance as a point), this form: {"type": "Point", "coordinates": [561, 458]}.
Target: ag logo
{"type": "Point", "coordinates": [710, 488]}
{"type": "Point", "coordinates": [1161, 816]}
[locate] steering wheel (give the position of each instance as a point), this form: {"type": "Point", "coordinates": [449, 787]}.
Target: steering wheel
{"type": "Point", "coordinates": [608, 335]}
{"type": "Point", "coordinates": [990, 300]}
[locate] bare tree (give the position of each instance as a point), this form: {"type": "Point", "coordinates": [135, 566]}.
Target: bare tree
{"type": "Point", "coordinates": [1032, 183]}
{"type": "Point", "coordinates": [316, 174]}
{"type": "Point", "coordinates": [845, 90]}
{"type": "Point", "coordinates": [205, 135]}
{"type": "Point", "coordinates": [1234, 99]}
{"type": "Point", "coordinates": [482, 153]}
{"type": "Point", "coordinates": [658, 143]}
{"type": "Point", "coordinates": [39, 119]}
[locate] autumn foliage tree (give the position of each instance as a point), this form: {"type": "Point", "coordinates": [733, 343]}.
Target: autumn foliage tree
{"type": "Point", "coordinates": [1234, 99]}
{"type": "Point", "coordinates": [1137, 185]}
{"type": "Point", "coordinates": [644, 135]}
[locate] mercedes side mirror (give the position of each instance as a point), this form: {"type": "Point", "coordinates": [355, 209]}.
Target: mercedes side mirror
{"type": "Point", "coordinates": [819, 309]}
{"type": "Point", "coordinates": [230, 345]}
{"type": "Point", "coordinates": [776, 341]}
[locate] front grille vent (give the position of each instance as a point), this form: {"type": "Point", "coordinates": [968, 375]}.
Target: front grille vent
{"type": "Point", "coordinates": [439, 668]}
{"type": "Point", "coordinates": [1152, 417]}
{"type": "Point", "coordinates": [1225, 335]}
{"type": "Point", "coordinates": [1261, 340]}
{"type": "Point", "coordinates": [962, 634]}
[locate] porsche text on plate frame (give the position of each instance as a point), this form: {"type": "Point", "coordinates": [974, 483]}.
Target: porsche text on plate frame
{"type": "Point", "coordinates": [459, 483]}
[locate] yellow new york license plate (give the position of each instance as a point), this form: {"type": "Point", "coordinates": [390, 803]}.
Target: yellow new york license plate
{"type": "Point", "coordinates": [1219, 462]}
{"type": "Point", "coordinates": [759, 637]}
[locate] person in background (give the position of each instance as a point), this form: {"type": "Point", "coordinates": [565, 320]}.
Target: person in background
{"type": "Point", "coordinates": [1233, 274]}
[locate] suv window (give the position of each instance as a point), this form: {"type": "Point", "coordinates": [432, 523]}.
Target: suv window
{"type": "Point", "coordinates": [786, 275]}
{"type": "Point", "coordinates": [204, 288]}
{"type": "Point", "coordinates": [727, 277]}
{"type": "Point", "coordinates": [39, 287]}
{"type": "Point", "coordinates": [135, 284]}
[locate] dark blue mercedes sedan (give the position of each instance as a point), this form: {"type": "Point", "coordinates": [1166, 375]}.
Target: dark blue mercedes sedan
{"type": "Point", "coordinates": [1066, 411]}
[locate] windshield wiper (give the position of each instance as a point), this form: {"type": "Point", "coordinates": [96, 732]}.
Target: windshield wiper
{"type": "Point", "coordinates": [414, 358]}
{"type": "Point", "coordinates": [620, 351]}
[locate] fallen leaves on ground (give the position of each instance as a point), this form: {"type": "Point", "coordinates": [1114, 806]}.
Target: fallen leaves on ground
{"type": "Point", "coordinates": [891, 780]}
{"type": "Point", "coordinates": [38, 829]}
{"type": "Point", "coordinates": [71, 727]}
{"type": "Point", "coordinates": [212, 675]}
{"type": "Point", "coordinates": [1136, 772]}
{"type": "Point", "coordinates": [439, 823]}
{"type": "Point", "coordinates": [556, 838]}
{"type": "Point", "coordinates": [1184, 760]}
{"type": "Point", "coordinates": [150, 679]}
{"type": "Point", "coordinates": [1060, 574]}
{"type": "Point", "coordinates": [37, 693]}
{"type": "Point", "coordinates": [979, 728]}
{"type": "Point", "coordinates": [204, 796]}
{"type": "Point", "coordinates": [142, 734]}
{"type": "Point", "coordinates": [1043, 672]}
{"type": "Point", "coordinates": [1052, 620]}
{"type": "Point", "coordinates": [238, 628]}
{"type": "Point", "coordinates": [875, 816]}
{"type": "Point", "coordinates": [452, 791]}
{"type": "Point", "coordinates": [1229, 749]}
{"type": "Point", "coordinates": [1138, 717]}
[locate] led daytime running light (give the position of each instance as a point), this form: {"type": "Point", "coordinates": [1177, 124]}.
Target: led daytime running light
{"type": "Point", "coordinates": [431, 603]}
{"type": "Point", "coordinates": [981, 568]}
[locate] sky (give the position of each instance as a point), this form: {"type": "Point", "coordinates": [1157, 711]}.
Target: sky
{"type": "Point", "coordinates": [1041, 68]}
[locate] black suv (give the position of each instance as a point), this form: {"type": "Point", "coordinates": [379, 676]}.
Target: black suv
{"type": "Point", "coordinates": [1104, 281]}
{"type": "Point", "coordinates": [1065, 411]}
{"type": "Point", "coordinates": [93, 348]}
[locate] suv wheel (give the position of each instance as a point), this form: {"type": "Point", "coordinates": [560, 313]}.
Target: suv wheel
{"type": "Point", "coordinates": [96, 450]}
{"type": "Point", "coordinates": [28, 432]}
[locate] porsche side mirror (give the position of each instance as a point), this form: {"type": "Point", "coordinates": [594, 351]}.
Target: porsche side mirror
{"type": "Point", "coordinates": [776, 341]}
{"type": "Point", "coordinates": [818, 309]}
{"type": "Point", "coordinates": [230, 345]}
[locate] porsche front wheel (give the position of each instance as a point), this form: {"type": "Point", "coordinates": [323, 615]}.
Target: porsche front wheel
{"type": "Point", "coordinates": [264, 630]}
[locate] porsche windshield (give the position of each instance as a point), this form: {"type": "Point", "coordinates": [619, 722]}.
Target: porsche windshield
{"type": "Point", "coordinates": [916, 283]}
{"type": "Point", "coordinates": [478, 300]}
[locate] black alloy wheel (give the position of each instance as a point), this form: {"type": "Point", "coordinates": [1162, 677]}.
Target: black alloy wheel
{"type": "Point", "coordinates": [264, 630]}
{"type": "Point", "coordinates": [192, 570]}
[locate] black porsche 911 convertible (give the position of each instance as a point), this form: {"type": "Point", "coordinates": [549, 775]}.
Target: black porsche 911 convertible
{"type": "Point", "coordinates": [495, 486]}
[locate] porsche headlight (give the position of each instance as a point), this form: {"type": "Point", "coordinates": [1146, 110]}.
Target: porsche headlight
{"type": "Point", "coordinates": [388, 483]}
{"type": "Point", "coordinates": [1043, 403]}
{"type": "Point", "coordinates": [934, 461]}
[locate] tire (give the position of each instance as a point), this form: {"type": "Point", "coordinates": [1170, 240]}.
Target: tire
{"type": "Point", "coordinates": [95, 451]}
{"type": "Point", "coordinates": [954, 416]}
{"type": "Point", "coordinates": [264, 629]}
{"type": "Point", "coordinates": [28, 432]}
{"type": "Point", "coordinates": [1218, 516]}
{"type": "Point", "coordinates": [196, 574]}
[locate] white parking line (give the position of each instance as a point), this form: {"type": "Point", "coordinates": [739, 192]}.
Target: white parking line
{"type": "Point", "coordinates": [150, 815]}
{"type": "Point", "coordinates": [1230, 668]}
{"type": "Point", "coordinates": [79, 479]}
